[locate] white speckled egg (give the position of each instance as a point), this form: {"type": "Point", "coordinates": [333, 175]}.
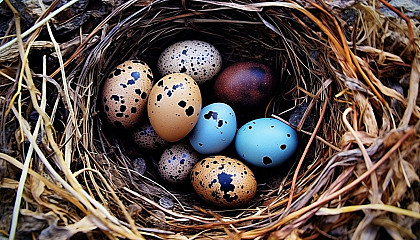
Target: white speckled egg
{"type": "Point", "coordinates": [125, 92]}
{"type": "Point", "coordinates": [174, 106]}
{"type": "Point", "coordinates": [223, 181]}
{"type": "Point", "coordinates": [146, 138]}
{"type": "Point", "coordinates": [198, 59]}
{"type": "Point", "coordinates": [176, 163]}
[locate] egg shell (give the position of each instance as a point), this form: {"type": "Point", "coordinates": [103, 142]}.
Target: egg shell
{"type": "Point", "coordinates": [266, 142]}
{"type": "Point", "coordinates": [198, 59]}
{"type": "Point", "coordinates": [176, 162]}
{"type": "Point", "coordinates": [174, 106]}
{"type": "Point", "coordinates": [223, 181]}
{"type": "Point", "coordinates": [125, 92]}
{"type": "Point", "coordinates": [146, 138]}
{"type": "Point", "coordinates": [245, 84]}
{"type": "Point", "coordinates": [215, 129]}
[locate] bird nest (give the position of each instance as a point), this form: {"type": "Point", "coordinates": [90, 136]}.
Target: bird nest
{"type": "Point", "coordinates": [349, 84]}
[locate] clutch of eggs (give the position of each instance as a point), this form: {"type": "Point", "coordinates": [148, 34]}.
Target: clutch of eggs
{"type": "Point", "coordinates": [198, 59]}
{"type": "Point", "coordinates": [125, 92]}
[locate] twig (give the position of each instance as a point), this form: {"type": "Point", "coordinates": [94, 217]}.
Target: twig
{"type": "Point", "coordinates": [324, 107]}
{"type": "Point", "coordinates": [366, 157]}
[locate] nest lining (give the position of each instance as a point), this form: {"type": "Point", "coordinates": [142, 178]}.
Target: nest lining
{"type": "Point", "coordinates": [316, 68]}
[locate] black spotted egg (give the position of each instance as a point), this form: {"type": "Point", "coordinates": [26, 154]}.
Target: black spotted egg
{"type": "Point", "coordinates": [199, 59]}
{"type": "Point", "coordinates": [176, 162]}
{"type": "Point", "coordinates": [223, 181]}
{"type": "Point", "coordinates": [146, 138]}
{"type": "Point", "coordinates": [125, 93]}
{"type": "Point", "coordinates": [174, 105]}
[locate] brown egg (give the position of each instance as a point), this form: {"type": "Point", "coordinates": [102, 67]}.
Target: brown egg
{"type": "Point", "coordinates": [176, 163]}
{"type": "Point", "coordinates": [245, 84]}
{"type": "Point", "coordinates": [223, 181]}
{"type": "Point", "coordinates": [147, 139]}
{"type": "Point", "coordinates": [125, 92]}
{"type": "Point", "coordinates": [174, 106]}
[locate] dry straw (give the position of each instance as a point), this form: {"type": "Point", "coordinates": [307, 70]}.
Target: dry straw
{"type": "Point", "coordinates": [355, 175]}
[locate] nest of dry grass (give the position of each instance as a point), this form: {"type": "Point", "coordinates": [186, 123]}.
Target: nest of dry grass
{"type": "Point", "coordinates": [64, 173]}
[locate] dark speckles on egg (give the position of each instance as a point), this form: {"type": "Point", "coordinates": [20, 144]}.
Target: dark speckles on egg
{"type": "Point", "coordinates": [143, 95]}
{"type": "Point", "coordinates": [189, 111]}
{"type": "Point", "coordinates": [117, 72]}
{"type": "Point", "coordinates": [182, 103]}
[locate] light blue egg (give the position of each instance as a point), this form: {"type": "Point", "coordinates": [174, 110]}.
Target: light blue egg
{"type": "Point", "coordinates": [215, 129]}
{"type": "Point", "coordinates": [266, 142]}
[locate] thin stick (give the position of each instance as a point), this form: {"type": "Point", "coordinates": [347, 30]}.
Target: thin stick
{"type": "Point", "coordinates": [308, 145]}
{"type": "Point", "coordinates": [368, 161]}
{"type": "Point", "coordinates": [388, 208]}
{"type": "Point", "coordinates": [27, 161]}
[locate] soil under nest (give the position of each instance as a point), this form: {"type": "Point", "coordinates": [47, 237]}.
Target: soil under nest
{"type": "Point", "coordinates": [352, 83]}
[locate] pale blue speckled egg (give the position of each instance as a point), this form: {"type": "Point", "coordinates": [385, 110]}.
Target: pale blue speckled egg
{"type": "Point", "coordinates": [266, 142]}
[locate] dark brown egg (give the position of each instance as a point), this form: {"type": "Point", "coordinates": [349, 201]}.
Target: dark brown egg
{"type": "Point", "coordinates": [245, 84]}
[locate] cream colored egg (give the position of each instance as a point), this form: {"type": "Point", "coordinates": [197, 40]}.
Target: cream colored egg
{"type": "Point", "coordinates": [176, 162]}
{"type": "Point", "coordinates": [174, 106]}
{"type": "Point", "coordinates": [223, 181]}
{"type": "Point", "coordinates": [125, 92]}
{"type": "Point", "coordinates": [198, 59]}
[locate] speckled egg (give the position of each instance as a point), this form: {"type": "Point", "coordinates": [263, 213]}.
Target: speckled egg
{"type": "Point", "coordinates": [125, 92]}
{"type": "Point", "coordinates": [215, 129]}
{"type": "Point", "coordinates": [245, 84]}
{"type": "Point", "coordinates": [223, 181]}
{"type": "Point", "coordinates": [198, 59]}
{"type": "Point", "coordinates": [176, 163]}
{"type": "Point", "coordinates": [174, 106]}
{"type": "Point", "coordinates": [266, 142]}
{"type": "Point", "coordinates": [147, 139]}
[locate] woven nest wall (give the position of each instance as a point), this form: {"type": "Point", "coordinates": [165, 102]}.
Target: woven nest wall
{"type": "Point", "coordinates": [349, 74]}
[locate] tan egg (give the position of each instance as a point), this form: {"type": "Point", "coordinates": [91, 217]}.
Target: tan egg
{"type": "Point", "coordinates": [176, 163]}
{"type": "Point", "coordinates": [223, 181]}
{"type": "Point", "coordinates": [198, 59]}
{"type": "Point", "coordinates": [125, 92]}
{"type": "Point", "coordinates": [146, 138]}
{"type": "Point", "coordinates": [174, 106]}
